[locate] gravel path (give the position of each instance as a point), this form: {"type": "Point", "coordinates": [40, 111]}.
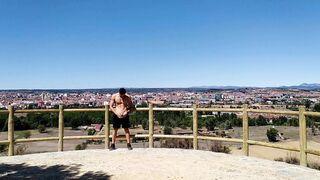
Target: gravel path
{"type": "Point", "coordinates": [148, 164]}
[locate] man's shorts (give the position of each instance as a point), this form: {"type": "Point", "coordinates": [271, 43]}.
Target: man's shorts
{"type": "Point", "coordinates": [121, 122]}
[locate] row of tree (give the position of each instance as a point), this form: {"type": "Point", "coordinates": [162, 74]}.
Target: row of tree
{"type": "Point", "coordinates": [167, 119]}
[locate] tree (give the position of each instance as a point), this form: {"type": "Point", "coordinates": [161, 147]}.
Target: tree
{"type": "Point", "coordinates": [211, 123]}
{"type": "Point", "coordinates": [167, 130]}
{"type": "Point", "coordinates": [261, 121]}
{"type": "Point", "coordinates": [316, 107]}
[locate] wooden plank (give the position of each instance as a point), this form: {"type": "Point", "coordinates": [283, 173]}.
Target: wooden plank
{"type": "Point", "coordinates": [36, 139]}
{"type": "Point", "coordinates": [273, 145]}
{"type": "Point", "coordinates": [151, 126]}
{"type": "Point", "coordinates": [220, 109]}
{"type": "Point", "coordinates": [11, 131]}
{"type": "Point", "coordinates": [61, 128]}
{"type": "Point", "coordinates": [195, 127]}
{"type": "Point", "coordinates": [293, 113]}
{"type": "Point", "coordinates": [245, 125]}
{"type": "Point", "coordinates": [107, 126]}
{"type": "Point", "coordinates": [303, 136]}
{"type": "Point", "coordinates": [220, 139]}
{"type": "Point", "coordinates": [37, 111]}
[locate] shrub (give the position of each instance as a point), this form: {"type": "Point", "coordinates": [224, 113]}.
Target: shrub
{"type": "Point", "coordinates": [177, 143]}
{"type": "Point", "coordinates": [91, 132]}
{"type": "Point", "coordinates": [145, 125]}
{"type": "Point", "coordinates": [3, 147]}
{"type": "Point", "coordinates": [41, 128]}
{"type": "Point", "coordinates": [218, 147]}
{"type": "Point", "coordinates": [20, 150]}
{"type": "Point", "coordinates": [289, 159]}
{"type": "Point", "coordinates": [292, 160]}
{"type": "Point", "coordinates": [314, 165]}
{"type": "Point", "coordinates": [82, 146]}
{"type": "Point", "coordinates": [280, 159]}
{"type": "Point", "coordinates": [272, 134]}
{"type": "Point", "coordinates": [167, 130]}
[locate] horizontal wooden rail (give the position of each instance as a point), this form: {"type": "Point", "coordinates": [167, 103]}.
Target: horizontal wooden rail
{"type": "Point", "coordinates": [173, 109]}
{"type": "Point", "coordinates": [314, 114]}
{"type": "Point", "coordinates": [293, 113]}
{"type": "Point", "coordinates": [142, 109]}
{"type": "Point", "coordinates": [220, 109]}
{"type": "Point", "coordinates": [277, 146]}
{"type": "Point", "coordinates": [85, 110]}
{"type": "Point", "coordinates": [36, 139]}
{"type": "Point", "coordinates": [37, 111]}
{"type": "Point", "coordinates": [172, 136]}
{"type": "Point", "coordinates": [4, 111]}
{"type": "Point", "coordinates": [4, 142]}
{"type": "Point", "coordinates": [220, 139]}
{"type": "Point", "coordinates": [313, 151]}
{"type": "Point", "coordinates": [142, 135]}
{"type": "Point", "coordinates": [83, 137]}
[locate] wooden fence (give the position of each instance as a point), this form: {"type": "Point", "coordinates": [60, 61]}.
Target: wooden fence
{"type": "Point", "coordinates": [302, 113]}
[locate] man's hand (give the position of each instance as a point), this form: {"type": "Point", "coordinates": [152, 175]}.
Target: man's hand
{"type": "Point", "coordinates": [125, 113]}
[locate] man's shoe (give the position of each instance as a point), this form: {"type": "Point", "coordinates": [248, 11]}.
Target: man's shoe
{"type": "Point", "coordinates": [112, 147]}
{"type": "Point", "coordinates": [129, 146]}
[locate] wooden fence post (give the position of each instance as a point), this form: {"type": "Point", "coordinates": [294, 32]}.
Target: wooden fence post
{"type": "Point", "coordinates": [107, 126]}
{"type": "Point", "coordinates": [11, 131]}
{"type": "Point", "coordinates": [245, 124]}
{"type": "Point", "coordinates": [195, 127]}
{"type": "Point", "coordinates": [151, 126]}
{"type": "Point", "coordinates": [303, 136]}
{"type": "Point", "coordinates": [61, 128]}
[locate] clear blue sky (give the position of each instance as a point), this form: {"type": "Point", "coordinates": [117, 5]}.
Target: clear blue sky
{"type": "Point", "coordinates": [167, 43]}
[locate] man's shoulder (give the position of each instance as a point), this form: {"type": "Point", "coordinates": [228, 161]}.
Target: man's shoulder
{"type": "Point", "coordinates": [114, 95]}
{"type": "Point", "coordinates": [128, 96]}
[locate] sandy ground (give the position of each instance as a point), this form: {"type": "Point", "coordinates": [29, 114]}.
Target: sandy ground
{"type": "Point", "coordinates": [148, 164]}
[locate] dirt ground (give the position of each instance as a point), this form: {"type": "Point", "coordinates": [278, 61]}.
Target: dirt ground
{"type": "Point", "coordinates": [148, 164]}
{"type": "Point", "coordinates": [256, 133]}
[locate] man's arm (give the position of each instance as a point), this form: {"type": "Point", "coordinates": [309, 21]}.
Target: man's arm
{"type": "Point", "coordinates": [112, 101]}
{"type": "Point", "coordinates": [131, 107]}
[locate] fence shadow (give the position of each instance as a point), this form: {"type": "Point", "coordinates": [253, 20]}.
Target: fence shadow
{"type": "Point", "coordinates": [24, 171]}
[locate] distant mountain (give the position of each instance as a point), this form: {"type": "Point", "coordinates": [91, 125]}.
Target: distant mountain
{"type": "Point", "coordinates": [303, 86]}
{"type": "Point", "coordinates": [219, 87]}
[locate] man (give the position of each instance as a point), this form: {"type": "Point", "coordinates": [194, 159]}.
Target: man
{"type": "Point", "coordinates": [121, 105]}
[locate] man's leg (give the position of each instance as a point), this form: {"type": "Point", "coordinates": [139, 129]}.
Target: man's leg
{"type": "Point", "coordinates": [126, 130]}
{"type": "Point", "coordinates": [128, 138]}
{"type": "Point", "coordinates": [114, 137]}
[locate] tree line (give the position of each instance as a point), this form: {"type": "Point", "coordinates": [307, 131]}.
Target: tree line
{"type": "Point", "coordinates": [167, 119]}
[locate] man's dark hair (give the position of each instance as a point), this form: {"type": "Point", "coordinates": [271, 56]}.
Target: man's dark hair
{"type": "Point", "coordinates": [122, 91]}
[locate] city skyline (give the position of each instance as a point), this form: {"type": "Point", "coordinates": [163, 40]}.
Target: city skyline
{"type": "Point", "coordinates": [144, 44]}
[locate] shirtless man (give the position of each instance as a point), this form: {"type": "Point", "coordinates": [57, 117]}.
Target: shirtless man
{"type": "Point", "coordinates": [121, 105]}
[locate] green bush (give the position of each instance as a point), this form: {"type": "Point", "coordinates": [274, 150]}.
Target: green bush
{"type": "Point", "coordinates": [41, 128]}
{"type": "Point", "coordinates": [3, 147]}
{"type": "Point", "coordinates": [82, 146]}
{"type": "Point", "coordinates": [177, 143]}
{"type": "Point", "coordinates": [21, 149]}
{"type": "Point", "coordinates": [272, 134]}
{"type": "Point", "coordinates": [167, 130]}
{"type": "Point", "coordinates": [218, 147]}
{"type": "Point", "coordinates": [314, 165]}
{"type": "Point", "coordinates": [91, 132]}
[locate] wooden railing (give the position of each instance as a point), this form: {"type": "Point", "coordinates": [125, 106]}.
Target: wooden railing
{"type": "Point", "coordinates": [302, 113]}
